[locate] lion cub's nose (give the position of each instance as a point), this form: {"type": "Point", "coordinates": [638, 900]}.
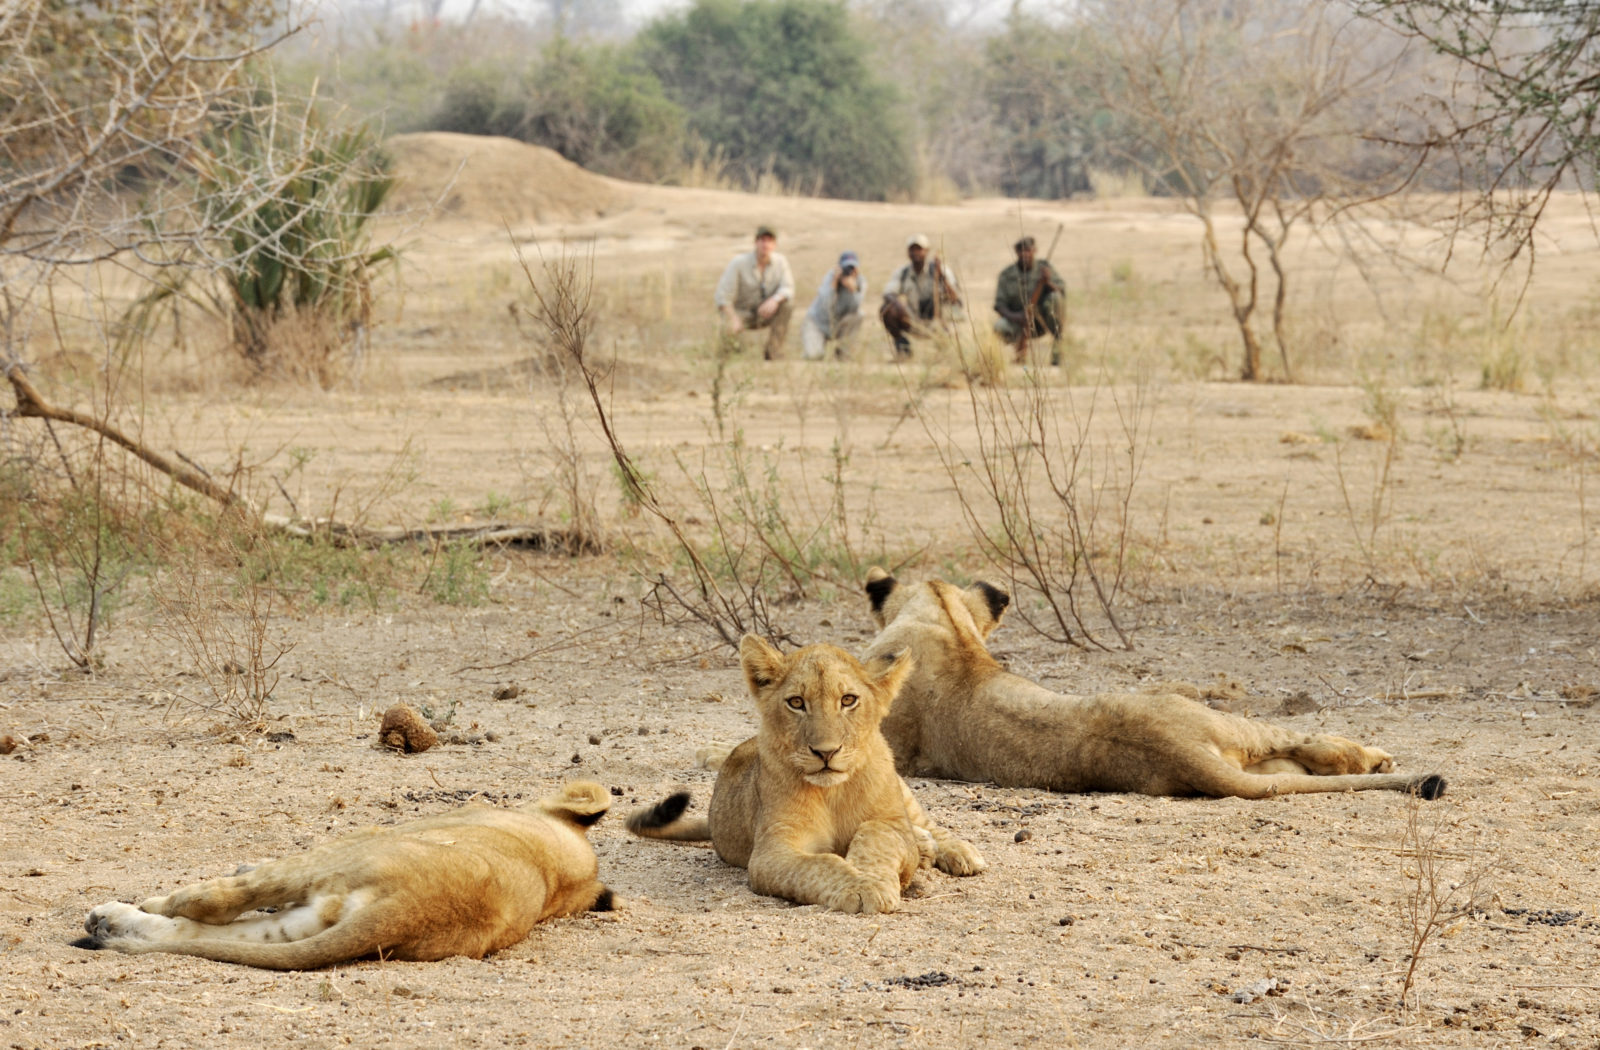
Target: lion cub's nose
{"type": "Point", "coordinates": [826, 756]}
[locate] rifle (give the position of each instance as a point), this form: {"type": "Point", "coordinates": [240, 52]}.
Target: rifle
{"type": "Point", "coordinates": [1032, 305]}
{"type": "Point", "coordinates": [945, 291]}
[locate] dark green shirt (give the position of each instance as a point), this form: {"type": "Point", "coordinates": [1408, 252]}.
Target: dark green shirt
{"type": "Point", "coordinates": [1016, 288]}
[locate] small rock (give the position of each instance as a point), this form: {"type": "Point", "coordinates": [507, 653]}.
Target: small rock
{"type": "Point", "coordinates": [576, 758]}
{"type": "Point", "coordinates": [491, 736]}
{"type": "Point", "coordinates": [1264, 987]}
{"type": "Point", "coordinates": [594, 738]}
{"type": "Point", "coordinates": [39, 738]}
{"type": "Point", "coordinates": [8, 744]}
{"type": "Point", "coordinates": [509, 691]}
{"type": "Point", "coordinates": [404, 730]}
{"type": "Point", "coordinates": [1022, 836]}
{"type": "Point", "coordinates": [232, 667]}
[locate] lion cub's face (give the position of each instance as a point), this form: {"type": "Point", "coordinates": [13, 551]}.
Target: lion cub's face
{"type": "Point", "coordinates": [819, 706]}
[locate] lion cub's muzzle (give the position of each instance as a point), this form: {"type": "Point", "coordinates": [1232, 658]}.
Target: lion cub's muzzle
{"type": "Point", "coordinates": [825, 765]}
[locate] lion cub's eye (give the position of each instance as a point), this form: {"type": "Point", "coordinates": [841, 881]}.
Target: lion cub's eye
{"type": "Point", "coordinates": [797, 703]}
{"type": "Point", "coordinates": [848, 700]}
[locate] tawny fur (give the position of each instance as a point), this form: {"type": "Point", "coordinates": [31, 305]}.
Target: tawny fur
{"type": "Point", "coordinates": [467, 883]}
{"type": "Point", "coordinates": [961, 716]}
{"type": "Point", "coordinates": [811, 805]}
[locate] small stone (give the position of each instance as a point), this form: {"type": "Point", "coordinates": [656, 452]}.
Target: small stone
{"type": "Point", "coordinates": [576, 758]}
{"type": "Point", "coordinates": [8, 744]}
{"type": "Point", "coordinates": [491, 735]}
{"type": "Point", "coordinates": [1022, 836]}
{"type": "Point", "coordinates": [509, 691]}
{"type": "Point", "coordinates": [404, 730]}
{"type": "Point", "coordinates": [594, 738]}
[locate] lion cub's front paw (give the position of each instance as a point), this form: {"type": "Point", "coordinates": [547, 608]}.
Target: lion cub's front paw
{"type": "Point", "coordinates": [959, 858]}
{"type": "Point", "coordinates": [864, 897]}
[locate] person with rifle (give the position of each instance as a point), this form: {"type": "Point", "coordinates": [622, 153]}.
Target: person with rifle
{"type": "Point", "coordinates": [1031, 300]}
{"type": "Point", "coordinates": [921, 292]}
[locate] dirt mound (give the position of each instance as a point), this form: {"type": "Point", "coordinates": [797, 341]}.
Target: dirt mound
{"type": "Point", "coordinates": [496, 180]}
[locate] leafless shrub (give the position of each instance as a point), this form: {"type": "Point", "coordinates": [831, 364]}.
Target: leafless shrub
{"type": "Point", "coordinates": [225, 627]}
{"type": "Point", "coordinates": [758, 548]}
{"type": "Point", "coordinates": [1444, 886]}
{"type": "Point", "coordinates": [563, 306]}
{"type": "Point", "coordinates": [1047, 503]}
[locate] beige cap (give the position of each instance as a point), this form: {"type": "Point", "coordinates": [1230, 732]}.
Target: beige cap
{"type": "Point", "coordinates": [919, 240]}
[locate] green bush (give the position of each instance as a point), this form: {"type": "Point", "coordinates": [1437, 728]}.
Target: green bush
{"type": "Point", "coordinates": [292, 197]}
{"type": "Point", "coordinates": [593, 105]}
{"type": "Point", "coordinates": [783, 87]}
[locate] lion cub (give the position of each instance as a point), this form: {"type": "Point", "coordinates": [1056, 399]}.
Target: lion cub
{"type": "Point", "coordinates": [964, 717]}
{"type": "Point", "coordinates": [463, 883]}
{"type": "Point", "coordinates": [811, 805]}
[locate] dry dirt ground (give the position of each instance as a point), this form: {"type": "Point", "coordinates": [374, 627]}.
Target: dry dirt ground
{"type": "Point", "coordinates": [1444, 610]}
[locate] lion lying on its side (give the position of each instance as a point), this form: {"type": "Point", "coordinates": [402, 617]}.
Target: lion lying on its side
{"type": "Point", "coordinates": [962, 717]}
{"type": "Point", "coordinates": [463, 883]}
{"type": "Point", "coordinates": [811, 805]}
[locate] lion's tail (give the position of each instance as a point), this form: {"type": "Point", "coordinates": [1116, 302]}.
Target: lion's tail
{"type": "Point", "coordinates": [665, 820]}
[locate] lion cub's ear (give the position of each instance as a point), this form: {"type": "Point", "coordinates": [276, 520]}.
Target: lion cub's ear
{"type": "Point", "coordinates": [988, 603]}
{"type": "Point", "coordinates": [763, 665]}
{"type": "Point", "coordinates": [879, 586]}
{"type": "Point", "coordinates": [583, 802]}
{"type": "Point", "coordinates": [892, 677]}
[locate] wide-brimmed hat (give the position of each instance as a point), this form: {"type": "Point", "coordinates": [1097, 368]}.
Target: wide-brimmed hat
{"type": "Point", "coordinates": [919, 240]}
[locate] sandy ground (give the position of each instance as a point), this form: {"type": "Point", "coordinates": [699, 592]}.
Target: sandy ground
{"type": "Point", "coordinates": [1445, 611]}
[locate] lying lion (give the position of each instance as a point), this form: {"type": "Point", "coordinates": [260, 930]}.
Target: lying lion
{"type": "Point", "coordinates": [962, 717]}
{"type": "Point", "coordinates": [463, 883]}
{"type": "Point", "coordinates": [811, 805]}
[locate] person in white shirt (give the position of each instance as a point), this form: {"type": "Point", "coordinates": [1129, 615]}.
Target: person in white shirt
{"type": "Point", "coordinates": [757, 291]}
{"type": "Point", "coordinates": [921, 295]}
{"type": "Point", "coordinates": [835, 314]}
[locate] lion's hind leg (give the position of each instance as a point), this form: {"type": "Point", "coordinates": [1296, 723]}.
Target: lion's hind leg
{"type": "Point", "coordinates": [330, 928]}
{"type": "Point", "coordinates": [1328, 755]}
{"type": "Point", "coordinates": [1265, 748]}
{"type": "Point", "coordinates": [125, 927]}
{"type": "Point", "coordinates": [1215, 777]}
{"type": "Point", "coordinates": [212, 902]}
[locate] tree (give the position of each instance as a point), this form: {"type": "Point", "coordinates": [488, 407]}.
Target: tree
{"type": "Point", "coordinates": [1261, 103]}
{"type": "Point", "coordinates": [1051, 122]}
{"type": "Point", "coordinates": [1522, 118]}
{"type": "Point", "coordinates": [783, 86]}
